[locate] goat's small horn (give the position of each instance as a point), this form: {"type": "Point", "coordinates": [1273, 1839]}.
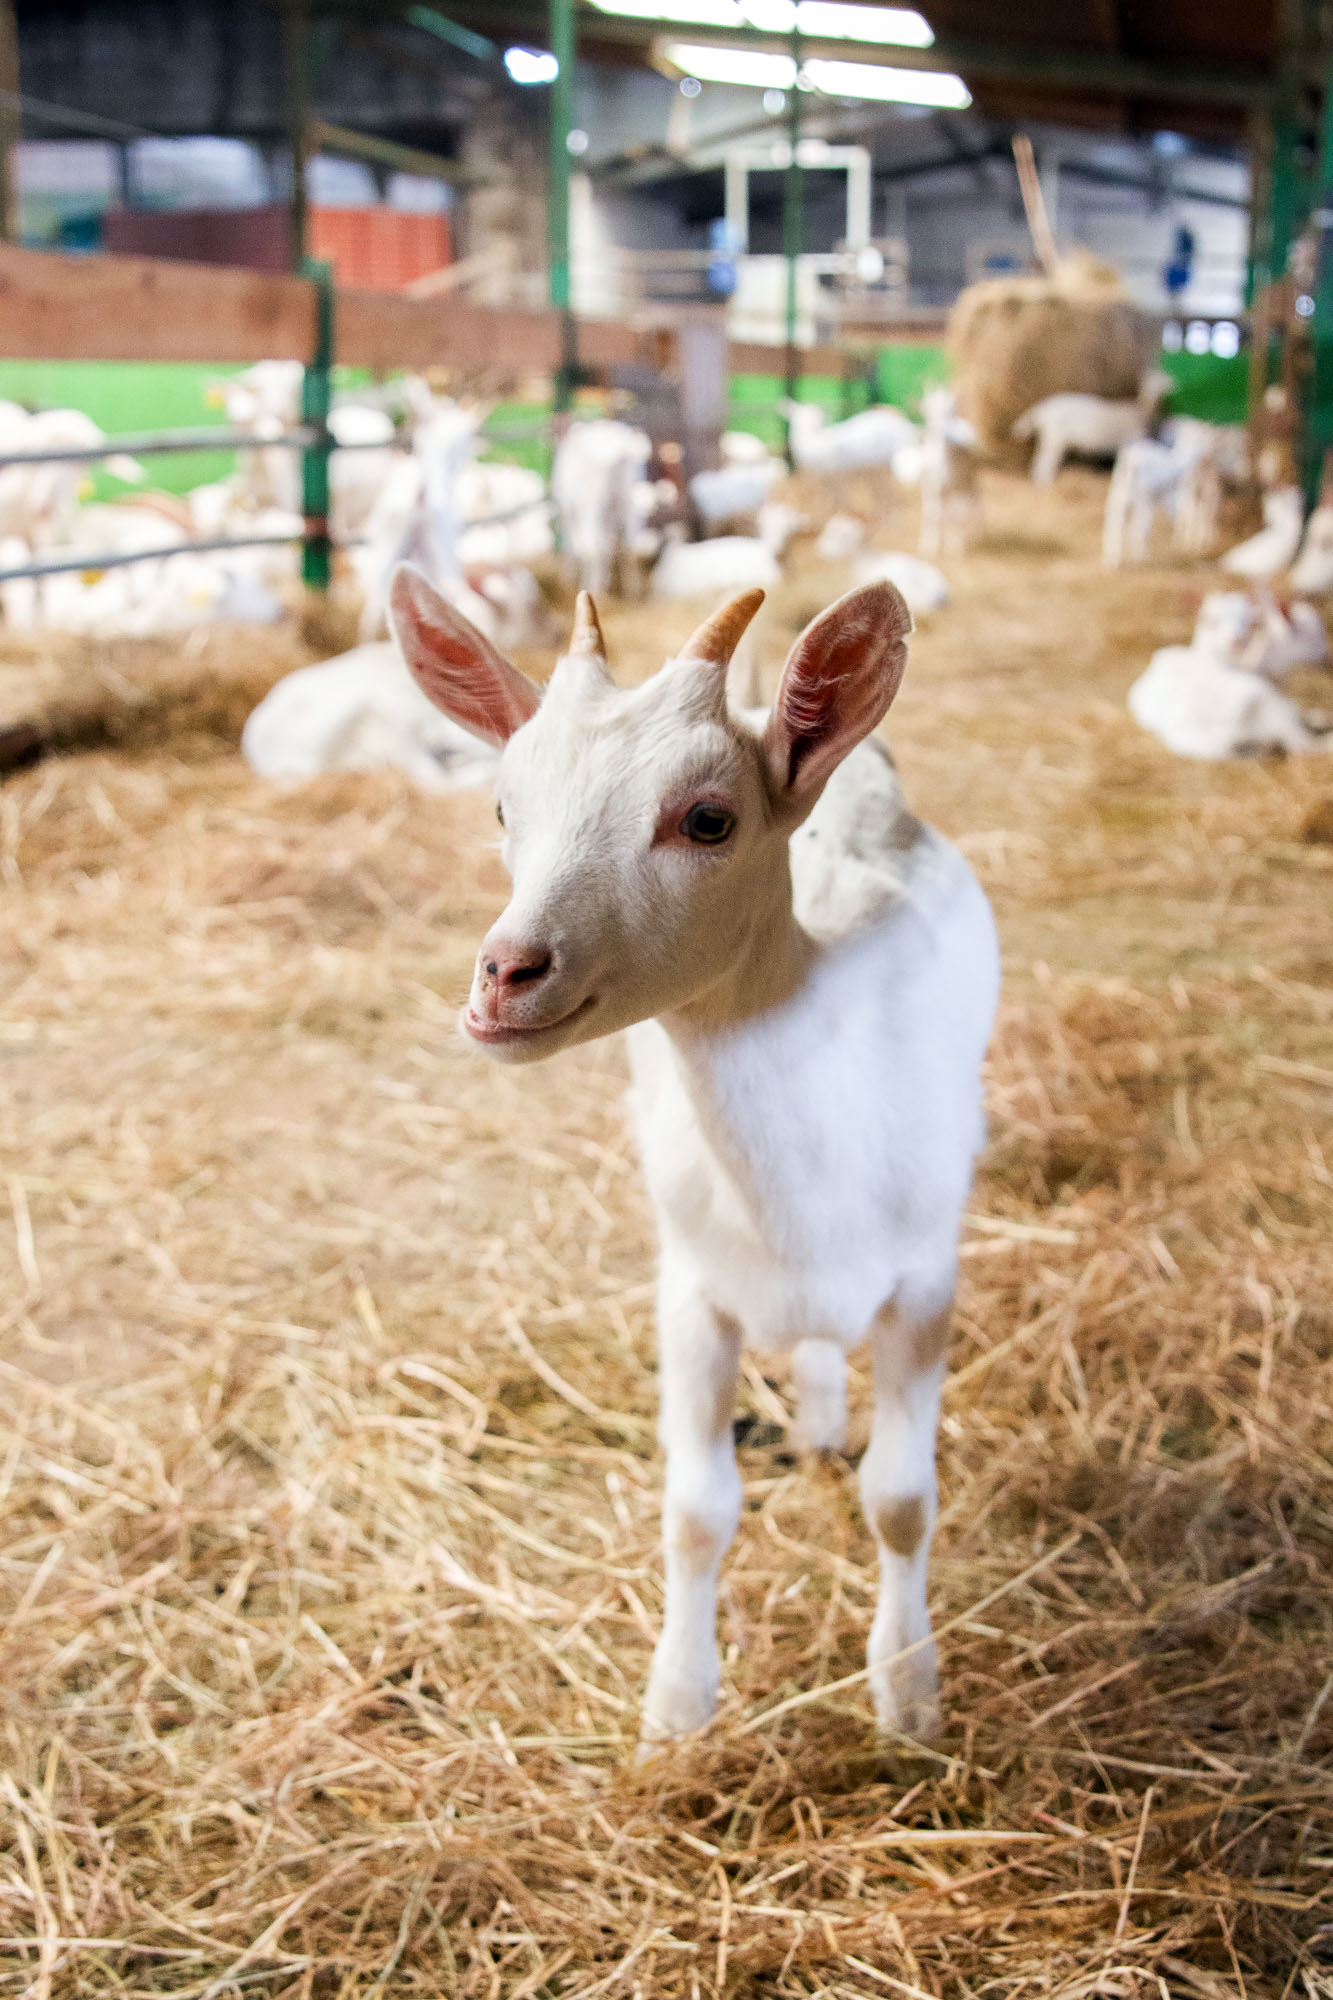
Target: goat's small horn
{"type": "Point", "coordinates": [587, 640]}
{"type": "Point", "coordinates": [718, 637]}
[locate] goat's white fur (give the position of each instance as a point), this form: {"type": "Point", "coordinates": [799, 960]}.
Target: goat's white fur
{"type": "Point", "coordinates": [950, 496]}
{"type": "Point", "coordinates": [1087, 426]}
{"type": "Point", "coordinates": [360, 712]}
{"type": "Point", "coordinates": [1216, 698]}
{"type": "Point", "coordinates": [873, 437]}
{"type": "Point", "coordinates": [1268, 553]}
{"type": "Point", "coordinates": [598, 475]}
{"type": "Point", "coordinates": [808, 1007]}
{"type": "Point", "coordinates": [1177, 477]}
{"type": "Point", "coordinates": [924, 588]}
{"type": "Point", "coordinates": [1313, 568]}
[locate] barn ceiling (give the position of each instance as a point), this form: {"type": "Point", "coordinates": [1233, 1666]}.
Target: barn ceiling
{"type": "Point", "coordinates": [216, 65]}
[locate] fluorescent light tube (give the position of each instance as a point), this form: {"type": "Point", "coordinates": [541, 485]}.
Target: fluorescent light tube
{"type": "Point", "coordinates": [891, 86]}
{"type": "Point", "coordinates": [827, 20]}
{"type": "Point", "coordinates": [701, 13]}
{"type": "Point", "coordinates": [836, 20]}
{"type": "Point", "coordinates": [751, 68]}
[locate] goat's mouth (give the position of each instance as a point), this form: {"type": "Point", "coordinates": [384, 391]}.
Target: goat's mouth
{"type": "Point", "coordinates": [499, 1035]}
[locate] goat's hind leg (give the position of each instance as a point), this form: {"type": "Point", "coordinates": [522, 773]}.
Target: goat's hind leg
{"type": "Point", "coordinates": [908, 1341]}
{"type": "Point", "coordinates": [700, 1355]}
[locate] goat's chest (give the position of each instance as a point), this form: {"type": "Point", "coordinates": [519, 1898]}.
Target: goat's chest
{"type": "Point", "coordinates": [783, 1190]}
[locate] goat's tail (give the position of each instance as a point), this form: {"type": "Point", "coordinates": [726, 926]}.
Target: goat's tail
{"type": "Point", "coordinates": [1026, 425]}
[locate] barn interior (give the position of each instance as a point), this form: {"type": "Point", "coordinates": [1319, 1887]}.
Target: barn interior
{"type": "Point", "coordinates": [330, 1488]}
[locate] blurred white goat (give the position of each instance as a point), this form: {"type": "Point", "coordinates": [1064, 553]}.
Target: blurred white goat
{"type": "Point", "coordinates": [1312, 570]}
{"type": "Point", "coordinates": [1259, 633]}
{"type": "Point", "coordinates": [924, 589]}
{"type": "Point", "coordinates": [872, 438]}
{"type": "Point", "coordinates": [40, 503]}
{"type": "Point", "coordinates": [265, 400]}
{"type": "Point", "coordinates": [1215, 698]}
{"type": "Point", "coordinates": [1073, 424]}
{"type": "Point", "coordinates": [1269, 552]}
{"type": "Point", "coordinates": [598, 479]}
{"type": "Point", "coordinates": [1177, 478]}
{"type": "Point", "coordinates": [950, 495]}
{"type": "Point", "coordinates": [360, 712]}
{"type": "Point", "coordinates": [729, 492]}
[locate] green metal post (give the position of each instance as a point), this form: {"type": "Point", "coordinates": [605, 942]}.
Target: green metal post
{"type": "Point", "coordinates": [561, 33]}
{"type": "Point", "coordinates": [299, 63]}
{"type": "Point", "coordinates": [793, 233]}
{"type": "Point", "coordinates": [1259, 132]}
{"type": "Point", "coordinates": [1285, 203]}
{"type": "Point", "coordinates": [316, 395]}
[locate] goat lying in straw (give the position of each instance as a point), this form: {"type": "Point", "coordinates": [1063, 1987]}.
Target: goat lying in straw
{"type": "Point", "coordinates": [808, 975]}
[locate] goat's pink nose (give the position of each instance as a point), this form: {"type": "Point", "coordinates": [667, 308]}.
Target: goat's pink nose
{"type": "Point", "coordinates": [508, 967]}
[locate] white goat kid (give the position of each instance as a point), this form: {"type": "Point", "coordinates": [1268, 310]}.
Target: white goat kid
{"type": "Point", "coordinates": [1176, 477]}
{"type": "Point", "coordinates": [809, 975]}
{"type": "Point", "coordinates": [1205, 704]}
{"type": "Point", "coordinates": [871, 438]}
{"type": "Point", "coordinates": [1253, 629]}
{"type": "Point", "coordinates": [950, 495]}
{"type": "Point", "coordinates": [923, 587]}
{"type": "Point", "coordinates": [1312, 570]}
{"type": "Point", "coordinates": [1269, 552]}
{"type": "Point", "coordinates": [595, 474]}
{"type": "Point", "coordinates": [1088, 426]}
{"type": "Point", "coordinates": [360, 712]}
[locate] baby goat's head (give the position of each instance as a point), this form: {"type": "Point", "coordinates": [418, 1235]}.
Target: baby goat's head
{"type": "Point", "coordinates": [645, 828]}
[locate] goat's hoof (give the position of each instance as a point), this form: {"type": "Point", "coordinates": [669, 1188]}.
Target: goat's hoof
{"type": "Point", "coordinates": [675, 1708]}
{"type": "Point", "coordinates": [917, 1718]}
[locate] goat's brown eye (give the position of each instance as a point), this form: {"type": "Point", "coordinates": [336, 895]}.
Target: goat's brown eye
{"type": "Point", "coordinates": [708, 824]}
{"type": "Point", "coordinates": [499, 812]}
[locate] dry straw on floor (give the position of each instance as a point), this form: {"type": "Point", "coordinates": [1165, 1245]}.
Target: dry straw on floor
{"type": "Point", "coordinates": [330, 1492]}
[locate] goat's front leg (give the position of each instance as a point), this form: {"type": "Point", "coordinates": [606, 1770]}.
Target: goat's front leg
{"type": "Point", "coordinates": [700, 1354]}
{"type": "Point", "coordinates": [908, 1341]}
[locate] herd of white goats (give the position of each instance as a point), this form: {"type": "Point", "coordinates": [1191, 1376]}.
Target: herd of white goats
{"type": "Point", "coordinates": [407, 485]}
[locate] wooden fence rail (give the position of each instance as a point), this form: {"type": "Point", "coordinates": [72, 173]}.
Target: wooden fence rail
{"type": "Point", "coordinates": [55, 307]}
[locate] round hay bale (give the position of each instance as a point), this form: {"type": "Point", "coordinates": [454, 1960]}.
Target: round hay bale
{"type": "Point", "coordinates": [1013, 341]}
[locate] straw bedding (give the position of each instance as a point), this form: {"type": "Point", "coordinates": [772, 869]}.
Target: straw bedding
{"type": "Point", "coordinates": [330, 1491]}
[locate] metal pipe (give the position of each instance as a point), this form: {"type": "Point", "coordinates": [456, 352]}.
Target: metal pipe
{"type": "Point", "coordinates": [95, 559]}
{"type": "Point", "coordinates": [122, 558]}
{"type": "Point", "coordinates": [160, 443]}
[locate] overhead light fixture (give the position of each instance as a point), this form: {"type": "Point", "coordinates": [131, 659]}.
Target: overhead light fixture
{"type": "Point", "coordinates": [693, 13]}
{"type": "Point", "coordinates": [531, 65]}
{"type": "Point", "coordinates": [839, 21]}
{"type": "Point", "coordinates": [756, 69]}
{"type": "Point", "coordinates": [753, 69]}
{"type": "Point", "coordinates": [884, 84]}
{"type": "Point", "coordinates": [826, 20]}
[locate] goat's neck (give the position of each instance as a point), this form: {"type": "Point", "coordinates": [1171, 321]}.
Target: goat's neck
{"type": "Point", "coordinates": [772, 962]}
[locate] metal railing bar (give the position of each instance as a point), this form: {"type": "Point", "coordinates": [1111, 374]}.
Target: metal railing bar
{"type": "Point", "coordinates": [145, 444]}
{"type": "Point", "coordinates": [93, 560]}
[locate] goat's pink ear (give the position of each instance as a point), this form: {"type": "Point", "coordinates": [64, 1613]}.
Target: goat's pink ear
{"type": "Point", "coordinates": [839, 679]}
{"type": "Point", "coordinates": [454, 664]}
